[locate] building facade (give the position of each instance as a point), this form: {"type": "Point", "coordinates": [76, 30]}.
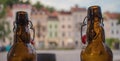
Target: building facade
{"type": "Point", "coordinates": [66, 29]}
{"type": "Point", "coordinates": [78, 15]}
{"type": "Point", "coordinates": [111, 25]}
{"type": "Point", "coordinates": [115, 29]}
{"type": "Point", "coordinates": [39, 19]}
{"type": "Point", "coordinates": [52, 32]}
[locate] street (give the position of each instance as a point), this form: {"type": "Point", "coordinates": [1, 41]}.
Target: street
{"type": "Point", "coordinates": [64, 55]}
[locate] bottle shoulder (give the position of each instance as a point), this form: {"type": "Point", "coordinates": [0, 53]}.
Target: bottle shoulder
{"type": "Point", "coordinates": [22, 48]}
{"type": "Point", "coordinates": [97, 49]}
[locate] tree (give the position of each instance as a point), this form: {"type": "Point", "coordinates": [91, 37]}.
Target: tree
{"type": "Point", "coordinates": [2, 1]}
{"type": "Point", "coordinates": [4, 28]}
{"type": "Point", "coordinates": [3, 12]}
{"type": "Point", "coordinates": [118, 19]}
{"type": "Point", "coordinates": [111, 41]}
{"type": "Point", "coordinates": [4, 25]}
{"type": "Point", "coordinates": [11, 2]}
{"type": "Point", "coordinates": [27, 2]}
{"type": "Point", "coordinates": [38, 5]}
{"type": "Point", "coordinates": [24, 2]}
{"type": "Point", "coordinates": [51, 9]}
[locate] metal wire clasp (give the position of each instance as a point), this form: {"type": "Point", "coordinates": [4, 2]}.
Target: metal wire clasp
{"type": "Point", "coordinates": [31, 27]}
{"type": "Point", "coordinates": [83, 38]}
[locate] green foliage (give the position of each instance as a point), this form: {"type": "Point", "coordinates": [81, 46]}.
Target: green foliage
{"type": "Point", "coordinates": [2, 13]}
{"type": "Point", "coordinates": [38, 5]}
{"type": "Point", "coordinates": [6, 3]}
{"type": "Point", "coordinates": [51, 9]}
{"type": "Point", "coordinates": [111, 41]}
{"type": "Point", "coordinates": [4, 28]}
{"type": "Point", "coordinates": [11, 2]}
{"type": "Point", "coordinates": [26, 2]}
{"type": "Point", "coordinates": [2, 1]}
{"type": "Point", "coordinates": [118, 21]}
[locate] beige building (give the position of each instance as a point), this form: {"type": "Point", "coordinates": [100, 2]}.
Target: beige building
{"type": "Point", "coordinates": [78, 15]}
{"type": "Point", "coordinates": [111, 25]}
{"type": "Point", "coordinates": [39, 19]}
{"type": "Point", "coordinates": [107, 26]}
{"type": "Point", "coordinates": [69, 27]}
{"type": "Point", "coordinates": [66, 29]}
{"type": "Point", "coordinates": [52, 32]}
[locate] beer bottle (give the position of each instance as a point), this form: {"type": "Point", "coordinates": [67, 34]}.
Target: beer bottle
{"type": "Point", "coordinates": [96, 49]}
{"type": "Point", "coordinates": [22, 49]}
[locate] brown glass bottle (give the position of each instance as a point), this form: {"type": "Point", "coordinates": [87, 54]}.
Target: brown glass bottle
{"type": "Point", "coordinates": [96, 50]}
{"type": "Point", "coordinates": [22, 49]}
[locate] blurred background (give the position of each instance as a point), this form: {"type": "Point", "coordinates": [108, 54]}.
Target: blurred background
{"type": "Point", "coordinates": [57, 25]}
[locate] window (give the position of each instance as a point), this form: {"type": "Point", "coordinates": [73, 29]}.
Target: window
{"type": "Point", "coordinates": [112, 24]}
{"type": "Point", "coordinates": [63, 34]}
{"type": "Point", "coordinates": [69, 19]}
{"type": "Point", "coordinates": [44, 29]}
{"type": "Point", "coordinates": [112, 32]}
{"type": "Point", "coordinates": [50, 35]}
{"type": "Point", "coordinates": [81, 16]}
{"type": "Point", "coordinates": [38, 30]}
{"type": "Point", "coordinates": [56, 34]}
{"type": "Point", "coordinates": [63, 18]}
{"type": "Point", "coordinates": [35, 12]}
{"type": "Point", "coordinates": [63, 26]}
{"type": "Point", "coordinates": [69, 26]}
{"type": "Point", "coordinates": [41, 44]}
{"type": "Point", "coordinates": [75, 17]}
{"type": "Point", "coordinates": [76, 42]}
{"type": "Point", "coordinates": [69, 34]}
{"type": "Point", "coordinates": [38, 34]}
{"type": "Point", "coordinates": [50, 26]}
{"type": "Point", "coordinates": [56, 26]}
{"type": "Point", "coordinates": [43, 36]}
{"type": "Point", "coordinates": [62, 43]}
{"type": "Point", "coordinates": [117, 32]}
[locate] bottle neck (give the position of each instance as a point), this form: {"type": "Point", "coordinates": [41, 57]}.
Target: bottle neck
{"type": "Point", "coordinates": [95, 29]}
{"type": "Point", "coordinates": [22, 34]}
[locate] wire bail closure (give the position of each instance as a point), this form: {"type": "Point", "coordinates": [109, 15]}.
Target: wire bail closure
{"type": "Point", "coordinates": [31, 27]}
{"type": "Point", "coordinates": [83, 24]}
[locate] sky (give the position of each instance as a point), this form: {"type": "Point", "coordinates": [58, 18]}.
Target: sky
{"type": "Point", "coordinates": [106, 5]}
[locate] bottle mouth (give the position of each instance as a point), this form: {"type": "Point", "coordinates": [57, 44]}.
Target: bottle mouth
{"type": "Point", "coordinates": [94, 11]}
{"type": "Point", "coordinates": [21, 17]}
